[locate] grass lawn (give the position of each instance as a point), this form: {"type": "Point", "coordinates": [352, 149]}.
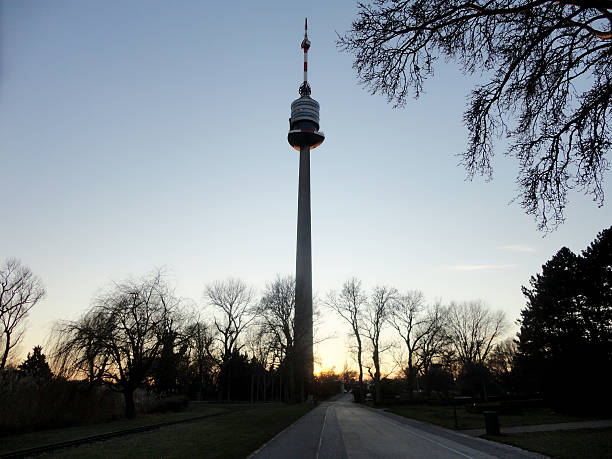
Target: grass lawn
{"type": "Point", "coordinates": [443, 416]}
{"type": "Point", "coordinates": [45, 437]}
{"type": "Point", "coordinates": [240, 430]}
{"type": "Point", "coordinates": [583, 443]}
{"type": "Point", "coordinates": [232, 435]}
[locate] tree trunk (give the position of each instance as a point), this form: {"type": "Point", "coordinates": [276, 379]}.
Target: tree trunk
{"type": "Point", "coordinates": [7, 346]}
{"type": "Point", "coordinates": [229, 382]}
{"type": "Point", "coordinates": [378, 391]}
{"type": "Point", "coordinates": [377, 388]}
{"type": "Point", "coordinates": [291, 388]}
{"type": "Point", "coordinates": [359, 351]}
{"type": "Point", "coordinates": [130, 408]}
{"type": "Point", "coordinates": [411, 374]}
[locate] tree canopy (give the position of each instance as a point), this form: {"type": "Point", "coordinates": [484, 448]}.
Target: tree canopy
{"type": "Point", "coordinates": [565, 340]}
{"type": "Point", "coordinates": [548, 65]}
{"type": "Point", "coordinates": [121, 337]}
{"type": "Point", "coordinates": [20, 291]}
{"type": "Point", "coordinates": [36, 365]}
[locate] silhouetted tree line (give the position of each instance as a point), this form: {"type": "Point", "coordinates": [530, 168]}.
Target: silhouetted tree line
{"type": "Point", "coordinates": [143, 342]}
{"type": "Point", "coordinates": [441, 347]}
{"type": "Point", "coordinates": [562, 352]}
{"type": "Point", "coordinates": [32, 397]}
{"type": "Point", "coordinates": [139, 334]}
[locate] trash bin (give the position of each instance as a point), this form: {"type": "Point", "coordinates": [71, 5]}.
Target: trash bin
{"type": "Point", "coordinates": [491, 422]}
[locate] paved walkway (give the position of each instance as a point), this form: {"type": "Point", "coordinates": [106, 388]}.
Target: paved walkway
{"type": "Point", "coordinates": [545, 427]}
{"type": "Point", "coordinates": [344, 430]}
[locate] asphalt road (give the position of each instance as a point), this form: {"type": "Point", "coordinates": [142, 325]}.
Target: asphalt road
{"type": "Point", "coordinates": [344, 430]}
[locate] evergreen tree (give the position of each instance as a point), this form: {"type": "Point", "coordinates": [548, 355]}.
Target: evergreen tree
{"type": "Point", "coordinates": [597, 277]}
{"type": "Point", "coordinates": [566, 328]}
{"type": "Point", "coordinates": [36, 365]}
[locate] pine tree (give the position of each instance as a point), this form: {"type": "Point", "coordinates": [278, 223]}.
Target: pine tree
{"type": "Point", "coordinates": [565, 341]}
{"type": "Point", "coordinates": [36, 365]}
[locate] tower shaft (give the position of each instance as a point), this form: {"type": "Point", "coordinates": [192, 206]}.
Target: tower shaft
{"type": "Point", "coordinates": [303, 283]}
{"type": "Point", "coordinates": [304, 135]}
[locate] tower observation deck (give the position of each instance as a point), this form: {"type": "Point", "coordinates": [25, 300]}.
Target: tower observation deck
{"type": "Point", "coordinates": [304, 121]}
{"type": "Point", "coordinates": [304, 135]}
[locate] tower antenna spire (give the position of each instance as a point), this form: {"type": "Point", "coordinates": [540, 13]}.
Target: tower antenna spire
{"type": "Point", "coordinates": [305, 87]}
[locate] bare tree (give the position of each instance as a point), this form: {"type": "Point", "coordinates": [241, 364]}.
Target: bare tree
{"type": "Point", "coordinates": [550, 85]}
{"type": "Point", "coordinates": [377, 312]}
{"type": "Point", "coordinates": [501, 358]}
{"type": "Point", "coordinates": [473, 330]}
{"type": "Point", "coordinates": [261, 346]}
{"type": "Point", "coordinates": [276, 314]}
{"type": "Point", "coordinates": [78, 348]}
{"type": "Point", "coordinates": [201, 354]}
{"type": "Point", "coordinates": [232, 300]}
{"type": "Point", "coordinates": [408, 318]}
{"type": "Point", "coordinates": [423, 331]}
{"type": "Point", "coordinates": [277, 310]}
{"type": "Point", "coordinates": [127, 325]}
{"type": "Point", "coordinates": [172, 361]}
{"type": "Point", "coordinates": [20, 291]}
{"type": "Point", "coordinates": [264, 349]}
{"type": "Point", "coordinates": [348, 376]}
{"type": "Point", "coordinates": [350, 304]}
{"type": "Point", "coordinates": [435, 342]}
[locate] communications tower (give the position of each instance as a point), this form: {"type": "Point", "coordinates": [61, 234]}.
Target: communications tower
{"type": "Point", "coordinates": [304, 135]}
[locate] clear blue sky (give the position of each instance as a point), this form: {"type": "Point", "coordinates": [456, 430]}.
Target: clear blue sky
{"type": "Point", "coordinates": [142, 134]}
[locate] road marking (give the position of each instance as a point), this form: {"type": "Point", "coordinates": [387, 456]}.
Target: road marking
{"type": "Point", "coordinates": [321, 434]}
{"type": "Point", "coordinates": [411, 431]}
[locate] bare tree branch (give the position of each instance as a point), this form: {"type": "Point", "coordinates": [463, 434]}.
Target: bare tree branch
{"type": "Point", "coordinates": [350, 304]}
{"type": "Point", "coordinates": [120, 337]}
{"type": "Point", "coordinates": [20, 291]}
{"type": "Point", "coordinates": [473, 330]}
{"type": "Point", "coordinates": [550, 69]}
{"type": "Point", "coordinates": [377, 313]}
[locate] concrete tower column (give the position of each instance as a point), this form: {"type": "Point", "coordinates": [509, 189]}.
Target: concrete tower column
{"type": "Point", "coordinates": [303, 282]}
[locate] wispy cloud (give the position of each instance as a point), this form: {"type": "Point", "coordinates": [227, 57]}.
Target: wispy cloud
{"type": "Point", "coordinates": [475, 267]}
{"type": "Point", "coordinates": [516, 248]}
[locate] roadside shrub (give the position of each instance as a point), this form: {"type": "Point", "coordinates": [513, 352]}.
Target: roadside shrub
{"type": "Point", "coordinates": [391, 389]}
{"type": "Point", "coordinates": [28, 403]}
{"type": "Point", "coordinates": [438, 380]}
{"type": "Point", "coordinates": [173, 403]}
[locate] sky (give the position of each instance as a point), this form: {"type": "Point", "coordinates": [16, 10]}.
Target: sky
{"type": "Point", "coordinates": [136, 135]}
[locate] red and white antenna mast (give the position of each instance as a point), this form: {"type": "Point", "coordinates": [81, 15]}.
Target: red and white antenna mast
{"type": "Point", "coordinates": [305, 88]}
